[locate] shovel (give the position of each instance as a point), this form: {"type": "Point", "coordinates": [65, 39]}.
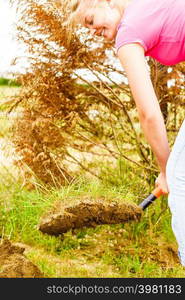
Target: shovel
{"type": "Point", "coordinates": [93, 213]}
{"type": "Point", "coordinates": [156, 193]}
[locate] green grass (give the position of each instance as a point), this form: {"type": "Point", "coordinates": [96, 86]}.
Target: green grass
{"type": "Point", "coordinates": [8, 82]}
{"type": "Point", "coordinates": [137, 249]}
{"type": "Point", "coordinates": [123, 250]}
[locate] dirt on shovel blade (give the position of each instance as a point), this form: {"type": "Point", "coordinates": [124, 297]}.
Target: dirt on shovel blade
{"type": "Point", "coordinates": [88, 214]}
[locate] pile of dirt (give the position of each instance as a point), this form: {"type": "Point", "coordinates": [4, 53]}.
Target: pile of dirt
{"type": "Point", "coordinates": [88, 214]}
{"type": "Point", "coordinates": [13, 263]}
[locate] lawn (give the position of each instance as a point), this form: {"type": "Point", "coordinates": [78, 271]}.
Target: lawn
{"type": "Point", "coordinates": [137, 249]}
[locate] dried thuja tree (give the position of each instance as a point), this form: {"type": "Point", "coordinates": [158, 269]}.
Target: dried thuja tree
{"type": "Point", "coordinates": [58, 102]}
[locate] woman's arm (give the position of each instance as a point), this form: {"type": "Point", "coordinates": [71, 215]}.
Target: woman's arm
{"type": "Point", "coordinates": [151, 119]}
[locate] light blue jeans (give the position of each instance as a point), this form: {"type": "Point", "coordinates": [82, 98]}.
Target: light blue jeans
{"type": "Point", "coordinates": [176, 184]}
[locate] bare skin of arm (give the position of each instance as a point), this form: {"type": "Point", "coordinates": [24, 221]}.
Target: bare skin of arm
{"type": "Point", "coordinates": [150, 116]}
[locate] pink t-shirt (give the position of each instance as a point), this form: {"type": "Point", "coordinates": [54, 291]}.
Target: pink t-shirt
{"type": "Point", "coordinates": [158, 25]}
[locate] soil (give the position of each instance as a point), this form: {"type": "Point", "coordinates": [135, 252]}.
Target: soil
{"type": "Point", "coordinates": [13, 263]}
{"type": "Point", "coordinates": [88, 214]}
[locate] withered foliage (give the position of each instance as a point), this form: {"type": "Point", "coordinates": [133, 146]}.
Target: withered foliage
{"type": "Point", "coordinates": [58, 104]}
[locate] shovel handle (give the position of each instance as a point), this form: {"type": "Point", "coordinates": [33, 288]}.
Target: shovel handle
{"type": "Point", "coordinates": [156, 193]}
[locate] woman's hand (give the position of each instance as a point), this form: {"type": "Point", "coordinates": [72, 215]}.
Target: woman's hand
{"type": "Point", "coordinates": [162, 183]}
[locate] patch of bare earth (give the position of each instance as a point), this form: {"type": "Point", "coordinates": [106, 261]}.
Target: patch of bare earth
{"type": "Point", "coordinates": [13, 263]}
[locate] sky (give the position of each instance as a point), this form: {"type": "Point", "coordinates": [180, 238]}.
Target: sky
{"type": "Point", "coordinates": [9, 48]}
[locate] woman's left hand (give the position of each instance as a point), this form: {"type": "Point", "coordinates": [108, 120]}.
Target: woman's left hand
{"type": "Point", "coordinates": [161, 182]}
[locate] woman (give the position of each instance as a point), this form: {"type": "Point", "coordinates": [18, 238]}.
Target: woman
{"type": "Point", "coordinates": [153, 28]}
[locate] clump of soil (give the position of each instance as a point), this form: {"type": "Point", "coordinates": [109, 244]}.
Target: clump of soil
{"type": "Point", "coordinates": [13, 263]}
{"type": "Point", "coordinates": [167, 256]}
{"type": "Point", "coordinates": [88, 214]}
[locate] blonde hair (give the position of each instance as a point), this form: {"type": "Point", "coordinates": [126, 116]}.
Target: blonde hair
{"type": "Point", "coordinates": [72, 9]}
{"type": "Point", "coordinates": [74, 5]}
